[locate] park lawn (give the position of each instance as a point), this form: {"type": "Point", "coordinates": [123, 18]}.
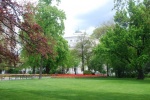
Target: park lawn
{"type": "Point", "coordinates": [75, 89]}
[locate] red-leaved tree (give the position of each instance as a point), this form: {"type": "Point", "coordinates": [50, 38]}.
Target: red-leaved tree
{"type": "Point", "coordinates": [17, 26]}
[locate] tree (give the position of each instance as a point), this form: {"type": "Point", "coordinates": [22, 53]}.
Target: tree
{"type": "Point", "coordinates": [62, 53]}
{"type": "Point", "coordinates": [135, 21]}
{"type": "Point", "coordinates": [128, 43]}
{"type": "Point", "coordinates": [41, 47]}
{"type": "Point", "coordinates": [100, 56]}
{"type": "Point", "coordinates": [51, 20]}
{"type": "Point", "coordinates": [96, 63]}
{"type": "Point", "coordinates": [113, 46]}
{"type": "Point", "coordinates": [102, 29]}
{"type": "Point", "coordinates": [29, 61]}
{"type": "Point", "coordinates": [84, 49]}
{"type": "Point", "coordinates": [14, 16]}
{"type": "Point", "coordinates": [73, 60]}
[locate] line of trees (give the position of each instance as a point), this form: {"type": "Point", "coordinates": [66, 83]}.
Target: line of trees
{"type": "Point", "coordinates": [125, 45]}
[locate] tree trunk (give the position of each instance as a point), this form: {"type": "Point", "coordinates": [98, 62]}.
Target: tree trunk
{"type": "Point", "coordinates": [139, 68]}
{"type": "Point", "coordinates": [116, 73]}
{"type": "Point", "coordinates": [47, 69]}
{"type": "Point", "coordinates": [41, 69]}
{"type": "Point", "coordinates": [120, 73]}
{"type": "Point", "coordinates": [82, 59]}
{"type": "Point", "coordinates": [1, 71]}
{"type": "Point", "coordinates": [40, 74]}
{"type": "Point", "coordinates": [75, 70]}
{"type": "Point", "coordinates": [140, 74]}
{"type": "Point", "coordinates": [33, 72]}
{"type": "Point", "coordinates": [107, 70]}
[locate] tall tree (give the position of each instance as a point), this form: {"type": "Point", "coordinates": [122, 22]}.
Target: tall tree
{"type": "Point", "coordinates": [53, 25]}
{"type": "Point", "coordinates": [128, 43]}
{"type": "Point", "coordinates": [100, 56]}
{"type": "Point", "coordinates": [73, 60]}
{"type": "Point", "coordinates": [51, 20]}
{"type": "Point", "coordinates": [102, 29]}
{"type": "Point", "coordinates": [135, 21]}
{"type": "Point", "coordinates": [84, 49]}
{"type": "Point", "coordinates": [14, 16]}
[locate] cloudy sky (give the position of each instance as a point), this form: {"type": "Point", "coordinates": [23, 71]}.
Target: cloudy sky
{"type": "Point", "coordinates": [85, 15]}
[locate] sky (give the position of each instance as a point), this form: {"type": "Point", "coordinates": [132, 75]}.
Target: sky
{"type": "Point", "coordinates": [86, 15]}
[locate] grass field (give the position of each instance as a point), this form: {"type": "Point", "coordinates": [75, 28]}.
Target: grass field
{"type": "Point", "coordinates": [75, 89]}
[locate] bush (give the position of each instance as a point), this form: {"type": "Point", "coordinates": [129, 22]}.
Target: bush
{"type": "Point", "coordinates": [87, 72]}
{"type": "Point", "coordinates": [13, 71]}
{"type": "Point", "coordinates": [53, 71]}
{"type": "Point", "coordinates": [130, 74]}
{"type": "Point", "coordinates": [103, 72]}
{"type": "Point", "coordinates": [29, 72]}
{"type": "Point", "coordinates": [148, 75]}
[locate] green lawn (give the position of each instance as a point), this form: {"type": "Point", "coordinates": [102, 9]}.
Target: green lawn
{"type": "Point", "coordinates": [75, 89]}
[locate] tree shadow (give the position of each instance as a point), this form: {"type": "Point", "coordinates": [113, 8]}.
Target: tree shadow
{"type": "Point", "coordinates": [70, 95]}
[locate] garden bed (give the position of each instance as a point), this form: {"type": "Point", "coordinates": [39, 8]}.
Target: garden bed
{"type": "Point", "coordinates": [76, 76]}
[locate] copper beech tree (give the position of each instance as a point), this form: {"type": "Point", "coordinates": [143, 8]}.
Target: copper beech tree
{"type": "Point", "coordinates": [17, 26]}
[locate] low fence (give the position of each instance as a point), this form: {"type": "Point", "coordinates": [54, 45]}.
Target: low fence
{"type": "Point", "coordinates": [20, 76]}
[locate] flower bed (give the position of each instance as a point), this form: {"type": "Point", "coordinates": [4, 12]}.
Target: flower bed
{"type": "Point", "coordinates": [75, 76]}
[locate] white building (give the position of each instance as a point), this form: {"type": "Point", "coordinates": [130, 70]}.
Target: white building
{"type": "Point", "coordinates": [72, 41]}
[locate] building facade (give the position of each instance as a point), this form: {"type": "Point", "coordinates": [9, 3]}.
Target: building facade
{"type": "Point", "coordinates": [72, 41]}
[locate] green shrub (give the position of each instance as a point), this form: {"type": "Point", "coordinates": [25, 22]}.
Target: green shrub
{"type": "Point", "coordinates": [147, 75]}
{"type": "Point", "coordinates": [13, 71]}
{"type": "Point", "coordinates": [87, 72]}
{"type": "Point", "coordinates": [103, 72]}
{"type": "Point", "coordinates": [29, 72]}
{"type": "Point", "coordinates": [53, 71]}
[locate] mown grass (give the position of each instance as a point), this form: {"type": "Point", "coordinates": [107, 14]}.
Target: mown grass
{"type": "Point", "coordinates": [75, 89]}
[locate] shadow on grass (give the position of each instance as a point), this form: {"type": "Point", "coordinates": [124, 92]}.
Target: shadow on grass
{"type": "Point", "coordinates": [69, 95]}
{"type": "Point", "coordinates": [145, 81]}
{"type": "Point", "coordinates": [76, 89]}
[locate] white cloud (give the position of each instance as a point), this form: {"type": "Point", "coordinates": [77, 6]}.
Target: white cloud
{"type": "Point", "coordinates": [90, 29]}
{"type": "Point", "coordinates": [74, 8]}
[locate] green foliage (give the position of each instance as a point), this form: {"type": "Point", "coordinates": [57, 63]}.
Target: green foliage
{"type": "Point", "coordinates": [96, 63]}
{"type": "Point", "coordinates": [102, 29]}
{"type": "Point", "coordinates": [13, 71]}
{"type": "Point", "coordinates": [84, 49]}
{"type": "Point", "coordinates": [103, 72]}
{"type": "Point", "coordinates": [29, 61]}
{"type": "Point", "coordinates": [87, 72]}
{"type": "Point", "coordinates": [62, 50]}
{"type": "Point", "coordinates": [148, 75]}
{"type": "Point", "coordinates": [126, 46]}
{"type": "Point", "coordinates": [73, 59]}
{"type": "Point", "coordinates": [53, 71]}
{"type": "Point", "coordinates": [51, 20]}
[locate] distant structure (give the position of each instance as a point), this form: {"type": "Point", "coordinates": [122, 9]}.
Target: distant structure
{"type": "Point", "coordinates": [72, 41]}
